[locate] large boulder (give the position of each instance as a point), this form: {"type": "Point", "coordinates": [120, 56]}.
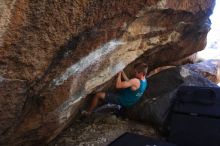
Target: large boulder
{"type": "Point", "coordinates": [54, 53]}
{"type": "Point", "coordinates": [208, 69]}
{"type": "Point", "coordinates": [155, 106]}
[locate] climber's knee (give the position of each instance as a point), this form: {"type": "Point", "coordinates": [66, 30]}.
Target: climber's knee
{"type": "Point", "coordinates": [100, 95]}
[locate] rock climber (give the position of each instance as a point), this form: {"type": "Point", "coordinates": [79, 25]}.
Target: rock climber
{"type": "Point", "coordinates": [130, 90]}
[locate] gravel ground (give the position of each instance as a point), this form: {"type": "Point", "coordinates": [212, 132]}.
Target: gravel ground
{"type": "Point", "coordinates": [100, 130]}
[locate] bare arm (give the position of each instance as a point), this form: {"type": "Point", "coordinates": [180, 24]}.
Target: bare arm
{"type": "Point", "coordinates": [125, 76]}
{"type": "Point", "coordinates": [133, 83]}
{"type": "Point", "coordinates": [122, 84]}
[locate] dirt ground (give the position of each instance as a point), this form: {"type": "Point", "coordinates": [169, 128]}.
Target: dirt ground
{"type": "Point", "coordinates": [100, 130]}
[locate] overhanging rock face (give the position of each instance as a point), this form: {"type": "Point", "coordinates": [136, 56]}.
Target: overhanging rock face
{"type": "Point", "coordinates": [54, 53]}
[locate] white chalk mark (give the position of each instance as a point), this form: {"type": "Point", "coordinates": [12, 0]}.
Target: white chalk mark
{"type": "Point", "coordinates": [105, 75]}
{"type": "Point", "coordinates": [65, 109]}
{"type": "Point", "coordinates": [1, 79]}
{"type": "Point", "coordinates": [116, 68]}
{"type": "Point", "coordinates": [9, 80]}
{"type": "Point", "coordinates": [85, 62]}
{"type": "Point", "coordinates": [162, 4]}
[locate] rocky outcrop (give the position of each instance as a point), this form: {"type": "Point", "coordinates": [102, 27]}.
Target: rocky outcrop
{"type": "Point", "coordinates": [54, 53]}
{"type": "Point", "coordinates": [208, 69]}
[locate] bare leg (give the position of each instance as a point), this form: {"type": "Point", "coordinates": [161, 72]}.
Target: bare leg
{"type": "Point", "coordinates": [99, 96]}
